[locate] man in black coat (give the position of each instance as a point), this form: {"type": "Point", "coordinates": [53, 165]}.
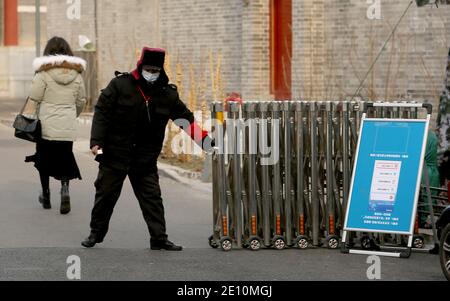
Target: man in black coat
{"type": "Point", "coordinates": [127, 137]}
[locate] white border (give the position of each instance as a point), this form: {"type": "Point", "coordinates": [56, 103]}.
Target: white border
{"type": "Point", "coordinates": [355, 165]}
{"type": "Point", "coordinates": [419, 176]}
{"type": "Point", "coordinates": [397, 105]}
{"type": "Point", "coordinates": [396, 120]}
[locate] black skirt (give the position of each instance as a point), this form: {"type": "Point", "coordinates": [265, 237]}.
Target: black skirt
{"type": "Point", "coordinates": [55, 159]}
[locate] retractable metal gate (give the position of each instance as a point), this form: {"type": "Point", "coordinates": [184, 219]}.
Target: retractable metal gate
{"type": "Point", "coordinates": [282, 170]}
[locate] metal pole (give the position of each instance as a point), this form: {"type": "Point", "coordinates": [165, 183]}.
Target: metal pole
{"type": "Point", "coordinates": [430, 203]}
{"type": "Point", "coordinates": [38, 27]}
{"type": "Point", "coordinates": [219, 191]}
{"type": "Point", "coordinates": [278, 240]}
{"type": "Point", "coordinates": [330, 169]}
{"type": "Point", "coordinates": [252, 151]}
{"type": "Point", "coordinates": [287, 171]}
{"type": "Point", "coordinates": [314, 176]}
{"type": "Point", "coordinates": [263, 135]}
{"type": "Point", "coordinates": [214, 175]}
{"type": "Point", "coordinates": [345, 154]}
{"type": "Point", "coordinates": [234, 109]}
{"type": "Point", "coordinates": [299, 148]}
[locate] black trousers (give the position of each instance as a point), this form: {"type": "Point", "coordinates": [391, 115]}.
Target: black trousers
{"type": "Point", "coordinates": [146, 188]}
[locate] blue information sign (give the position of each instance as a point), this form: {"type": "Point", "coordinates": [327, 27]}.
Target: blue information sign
{"type": "Point", "coordinates": [386, 178]}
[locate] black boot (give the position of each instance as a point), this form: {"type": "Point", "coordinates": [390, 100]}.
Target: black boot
{"type": "Point", "coordinates": [164, 244]}
{"type": "Point", "coordinates": [44, 199]}
{"type": "Point", "coordinates": [91, 241]}
{"type": "Point", "coordinates": [65, 198]}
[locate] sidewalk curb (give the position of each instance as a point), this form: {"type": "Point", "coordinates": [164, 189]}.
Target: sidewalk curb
{"type": "Point", "coordinates": [7, 121]}
{"type": "Point", "coordinates": [179, 175]}
{"type": "Point", "coordinates": [180, 172]}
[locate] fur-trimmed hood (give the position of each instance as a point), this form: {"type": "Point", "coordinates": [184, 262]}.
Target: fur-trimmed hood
{"type": "Point", "coordinates": [46, 63]}
{"type": "Point", "coordinates": [62, 69]}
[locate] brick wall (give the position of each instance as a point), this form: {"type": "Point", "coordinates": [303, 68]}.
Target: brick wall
{"type": "Point", "coordinates": [58, 24]}
{"type": "Point", "coordinates": [199, 35]}
{"type": "Point", "coordinates": [204, 34]}
{"type": "Point", "coordinates": [309, 56]}
{"type": "Point", "coordinates": [335, 43]}
{"type": "Point", "coordinates": [255, 47]}
{"type": "Point", "coordinates": [124, 27]}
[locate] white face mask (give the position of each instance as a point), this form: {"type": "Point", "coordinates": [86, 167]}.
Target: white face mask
{"type": "Point", "coordinates": [150, 77]}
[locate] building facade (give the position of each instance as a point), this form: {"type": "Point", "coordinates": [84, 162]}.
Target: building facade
{"type": "Point", "coordinates": [17, 45]}
{"type": "Point", "coordinates": [269, 49]}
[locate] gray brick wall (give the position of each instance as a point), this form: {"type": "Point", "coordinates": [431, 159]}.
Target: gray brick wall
{"type": "Point", "coordinates": [194, 30]}
{"type": "Point", "coordinates": [124, 27]}
{"type": "Point", "coordinates": [59, 25]}
{"type": "Point", "coordinates": [335, 42]}
{"type": "Point", "coordinates": [256, 51]}
{"type": "Point", "coordinates": [308, 58]}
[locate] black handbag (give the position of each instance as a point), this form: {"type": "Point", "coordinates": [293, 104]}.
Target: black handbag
{"type": "Point", "coordinates": [27, 128]}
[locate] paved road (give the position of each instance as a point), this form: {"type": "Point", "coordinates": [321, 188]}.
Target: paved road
{"type": "Point", "coordinates": [205, 264]}
{"type": "Point", "coordinates": [34, 244]}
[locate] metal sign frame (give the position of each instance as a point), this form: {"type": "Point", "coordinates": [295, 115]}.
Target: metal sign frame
{"type": "Point", "coordinates": [405, 253]}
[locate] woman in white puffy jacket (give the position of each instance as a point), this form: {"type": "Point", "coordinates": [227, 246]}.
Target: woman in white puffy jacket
{"type": "Point", "coordinates": [59, 91]}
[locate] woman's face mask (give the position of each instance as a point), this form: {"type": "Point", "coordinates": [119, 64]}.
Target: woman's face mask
{"type": "Point", "coordinates": [150, 77]}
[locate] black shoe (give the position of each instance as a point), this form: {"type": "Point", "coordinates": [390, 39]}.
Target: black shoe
{"type": "Point", "coordinates": [164, 245]}
{"type": "Point", "coordinates": [65, 199]}
{"type": "Point", "coordinates": [44, 199]}
{"type": "Point", "coordinates": [91, 241]}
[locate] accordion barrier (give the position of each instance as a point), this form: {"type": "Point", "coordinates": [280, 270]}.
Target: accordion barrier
{"type": "Point", "coordinates": [282, 173]}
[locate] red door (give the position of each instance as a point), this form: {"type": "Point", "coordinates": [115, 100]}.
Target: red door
{"type": "Point", "coordinates": [281, 48]}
